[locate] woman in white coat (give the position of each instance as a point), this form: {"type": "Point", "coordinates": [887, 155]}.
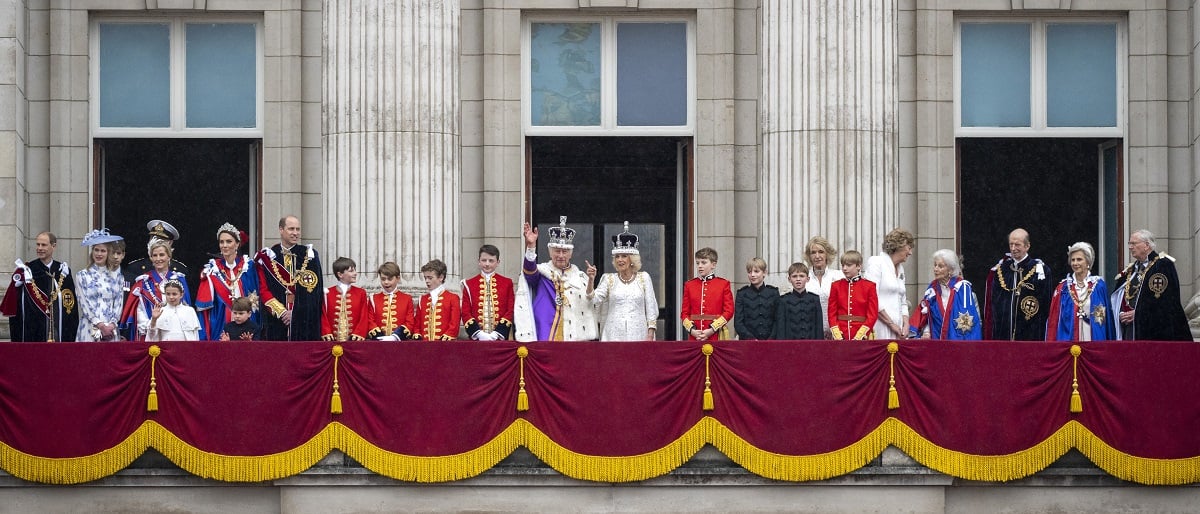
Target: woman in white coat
{"type": "Point", "coordinates": [886, 270]}
{"type": "Point", "coordinates": [629, 293]}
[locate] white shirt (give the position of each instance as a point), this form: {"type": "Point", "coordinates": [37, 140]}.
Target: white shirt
{"type": "Point", "coordinates": [889, 287]}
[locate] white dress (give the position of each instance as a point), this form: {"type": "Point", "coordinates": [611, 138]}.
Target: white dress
{"type": "Point", "coordinates": [889, 287]}
{"type": "Point", "coordinates": [176, 323]}
{"type": "Point", "coordinates": [821, 288]}
{"type": "Point", "coordinates": [632, 308]}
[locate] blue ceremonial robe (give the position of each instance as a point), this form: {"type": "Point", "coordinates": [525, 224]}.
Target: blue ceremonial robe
{"type": "Point", "coordinates": [1065, 316]}
{"type": "Point", "coordinates": [958, 320]}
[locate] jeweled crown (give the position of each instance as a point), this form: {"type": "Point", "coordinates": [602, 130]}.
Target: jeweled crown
{"type": "Point", "coordinates": [561, 236]}
{"type": "Point", "coordinates": [625, 243]}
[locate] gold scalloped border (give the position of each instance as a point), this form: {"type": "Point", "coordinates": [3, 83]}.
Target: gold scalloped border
{"type": "Point", "coordinates": [630, 468]}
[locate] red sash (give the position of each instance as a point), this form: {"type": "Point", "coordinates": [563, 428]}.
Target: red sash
{"type": "Point", "coordinates": [279, 273]}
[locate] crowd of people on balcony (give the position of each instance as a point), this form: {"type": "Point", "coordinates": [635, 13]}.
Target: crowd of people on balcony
{"type": "Point", "coordinates": [278, 295]}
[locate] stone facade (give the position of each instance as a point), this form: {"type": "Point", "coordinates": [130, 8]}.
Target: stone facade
{"type": "Point", "coordinates": [453, 142]}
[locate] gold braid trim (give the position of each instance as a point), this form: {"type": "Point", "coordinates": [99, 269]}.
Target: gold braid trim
{"type": "Point", "coordinates": [630, 468]}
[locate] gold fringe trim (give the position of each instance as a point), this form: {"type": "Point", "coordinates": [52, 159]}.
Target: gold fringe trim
{"type": "Point", "coordinates": [630, 468]}
{"type": "Point", "coordinates": [990, 468]}
{"type": "Point", "coordinates": [708, 430]}
{"type": "Point", "coordinates": [431, 469]}
{"type": "Point", "coordinates": [796, 468]}
{"type": "Point", "coordinates": [1132, 468]}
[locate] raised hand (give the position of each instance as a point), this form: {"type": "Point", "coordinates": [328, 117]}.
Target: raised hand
{"type": "Point", "coordinates": [591, 270]}
{"type": "Point", "coordinates": [530, 235]}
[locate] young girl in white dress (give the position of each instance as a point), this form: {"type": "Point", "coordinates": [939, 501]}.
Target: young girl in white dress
{"type": "Point", "coordinates": [171, 320]}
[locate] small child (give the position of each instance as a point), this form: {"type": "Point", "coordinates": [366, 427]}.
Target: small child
{"type": "Point", "coordinates": [240, 326]}
{"type": "Point", "coordinates": [853, 304]}
{"type": "Point", "coordinates": [799, 313]}
{"type": "Point", "coordinates": [347, 315]}
{"type": "Point", "coordinates": [488, 299]}
{"type": "Point", "coordinates": [438, 312]}
{"type": "Point", "coordinates": [171, 320]}
{"type": "Point", "coordinates": [116, 256]}
{"type": "Point", "coordinates": [707, 300]}
{"type": "Point", "coordinates": [391, 309]}
{"type": "Point", "coordinates": [756, 303]}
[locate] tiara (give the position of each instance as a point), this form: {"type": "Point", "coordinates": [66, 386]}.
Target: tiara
{"type": "Point", "coordinates": [229, 228]}
{"type": "Point", "coordinates": [170, 281]}
{"type": "Point", "coordinates": [625, 243]}
{"type": "Point", "coordinates": [561, 236]}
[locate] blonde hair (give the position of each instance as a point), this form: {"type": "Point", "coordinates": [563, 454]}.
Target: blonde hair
{"type": "Point", "coordinates": [852, 257]}
{"type": "Point", "coordinates": [756, 263]}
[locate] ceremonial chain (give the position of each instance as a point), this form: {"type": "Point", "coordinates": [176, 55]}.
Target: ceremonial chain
{"type": "Point", "coordinates": [303, 267]}
{"type": "Point", "coordinates": [1004, 286]}
{"type": "Point", "coordinates": [1079, 310]}
{"type": "Point", "coordinates": [231, 279]}
{"type": "Point", "coordinates": [1131, 291]}
{"type": "Point", "coordinates": [42, 296]}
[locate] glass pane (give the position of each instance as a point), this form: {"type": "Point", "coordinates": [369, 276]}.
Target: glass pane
{"type": "Point", "coordinates": [995, 74]}
{"type": "Point", "coordinates": [135, 75]}
{"type": "Point", "coordinates": [652, 74]}
{"type": "Point", "coordinates": [564, 68]}
{"type": "Point", "coordinates": [1081, 75]}
{"type": "Point", "coordinates": [221, 75]}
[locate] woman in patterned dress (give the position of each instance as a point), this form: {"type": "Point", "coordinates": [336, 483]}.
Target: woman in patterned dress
{"type": "Point", "coordinates": [100, 289]}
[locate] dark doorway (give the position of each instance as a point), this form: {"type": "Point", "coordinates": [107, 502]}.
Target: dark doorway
{"type": "Point", "coordinates": [600, 182]}
{"type": "Point", "coordinates": [195, 184]}
{"type": "Point", "coordinates": [1056, 189]}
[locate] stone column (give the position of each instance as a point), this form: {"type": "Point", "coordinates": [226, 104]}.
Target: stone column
{"type": "Point", "coordinates": [391, 136]}
{"type": "Point", "coordinates": [828, 126]}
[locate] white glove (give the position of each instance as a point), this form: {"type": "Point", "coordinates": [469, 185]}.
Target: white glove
{"type": "Point", "coordinates": [483, 336]}
{"type": "Point", "coordinates": [391, 337]}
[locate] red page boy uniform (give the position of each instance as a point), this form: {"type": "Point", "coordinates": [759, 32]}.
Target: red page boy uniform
{"type": "Point", "coordinates": [347, 314]}
{"type": "Point", "coordinates": [437, 316]}
{"type": "Point", "coordinates": [487, 307]}
{"type": "Point", "coordinates": [392, 313]}
{"type": "Point", "coordinates": [853, 308]}
{"type": "Point", "coordinates": [707, 303]}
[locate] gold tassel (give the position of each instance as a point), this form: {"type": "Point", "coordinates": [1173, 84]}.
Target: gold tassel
{"type": "Point", "coordinates": [1076, 401]}
{"type": "Point", "coordinates": [522, 396]}
{"type": "Point", "coordinates": [152, 398]}
{"type": "Point", "coordinates": [335, 405]}
{"type": "Point", "coordinates": [707, 349]}
{"type": "Point", "coordinates": [893, 395]}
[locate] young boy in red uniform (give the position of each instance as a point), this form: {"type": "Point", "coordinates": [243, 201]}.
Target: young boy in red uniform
{"type": "Point", "coordinates": [438, 311]}
{"type": "Point", "coordinates": [853, 304]}
{"type": "Point", "coordinates": [487, 300]}
{"type": "Point", "coordinates": [391, 309]}
{"type": "Point", "coordinates": [707, 300]}
{"type": "Point", "coordinates": [347, 314]}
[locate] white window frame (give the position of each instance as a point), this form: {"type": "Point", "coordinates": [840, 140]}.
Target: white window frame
{"type": "Point", "coordinates": [178, 74]}
{"type": "Point", "coordinates": [1037, 77]}
{"type": "Point", "coordinates": [608, 78]}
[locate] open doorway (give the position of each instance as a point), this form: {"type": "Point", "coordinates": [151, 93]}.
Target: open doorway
{"type": "Point", "coordinates": [1061, 190]}
{"type": "Point", "coordinates": [195, 184]}
{"type": "Point", "coordinates": [600, 182]}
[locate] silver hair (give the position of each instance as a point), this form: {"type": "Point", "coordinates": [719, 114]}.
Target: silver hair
{"type": "Point", "coordinates": [950, 259]}
{"type": "Point", "coordinates": [1147, 236]}
{"type": "Point", "coordinates": [1089, 253]}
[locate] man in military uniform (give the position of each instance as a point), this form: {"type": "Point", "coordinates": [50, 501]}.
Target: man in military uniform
{"type": "Point", "coordinates": [1146, 295]}
{"type": "Point", "coordinates": [292, 273]}
{"type": "Point", "coordinates": [1018, 293]}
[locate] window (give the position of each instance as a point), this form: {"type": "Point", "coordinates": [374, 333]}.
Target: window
{"type": "Point", "coordinates": [1054, 76]}
{"type": "Point", "coordinates": [164, 77]}
{"type": "Point", "coordinates": [609, 75]}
